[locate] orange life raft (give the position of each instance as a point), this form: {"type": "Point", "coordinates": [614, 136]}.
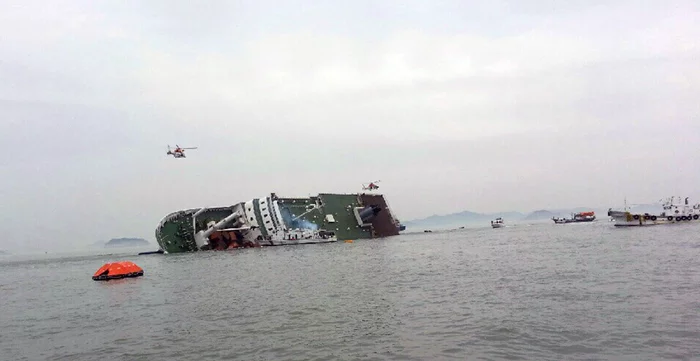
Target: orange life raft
{"type": "Point", "coordinates": [117, 270]}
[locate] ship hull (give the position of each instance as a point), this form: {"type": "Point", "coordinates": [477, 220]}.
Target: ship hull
{"type": "Point", "coordinates": [276, 221]}
{"type": "Point", "coordinates": [497, 225]}
{"type": "Point", "coordinates": [565, 221]}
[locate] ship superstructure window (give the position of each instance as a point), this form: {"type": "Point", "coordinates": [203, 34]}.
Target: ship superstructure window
{"type": "Point", "coordinates": [276, 214]}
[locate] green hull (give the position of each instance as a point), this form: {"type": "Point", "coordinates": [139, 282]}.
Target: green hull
{"type": "Point", "coordinates": [272, 221]}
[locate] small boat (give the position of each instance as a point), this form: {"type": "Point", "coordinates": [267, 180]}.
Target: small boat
{"type": "Point", "coordinates": [672, 213]}
{"type": "Point", "coordinates": [576, 218]}
{"type": "Point", "coordinates": [159, 251]}
{"type": "Point", "coordinates": [399, 226]}
{"type": "Point", "coordinates": [497, 223]}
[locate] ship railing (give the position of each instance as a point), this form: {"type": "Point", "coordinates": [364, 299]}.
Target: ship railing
{"type": "Point", "coordinates": [168, 218]}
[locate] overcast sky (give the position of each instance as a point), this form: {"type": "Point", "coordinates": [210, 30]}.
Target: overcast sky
{"type": "Point", "coordinates": [454, 105]}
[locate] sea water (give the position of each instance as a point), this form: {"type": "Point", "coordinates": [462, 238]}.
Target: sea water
{"type": "Point", "coordinates": [541, 292]}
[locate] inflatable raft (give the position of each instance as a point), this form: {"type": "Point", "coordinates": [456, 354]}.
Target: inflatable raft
{"type": "Point", "coordinates": [117, 270]}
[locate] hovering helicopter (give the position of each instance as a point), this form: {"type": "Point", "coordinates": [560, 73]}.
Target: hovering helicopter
{"type": "Point", "coordinates": [179, 152]}
{"type": "Point", "coordinates": [371, 186]}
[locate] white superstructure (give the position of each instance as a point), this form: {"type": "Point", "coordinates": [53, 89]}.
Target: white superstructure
{"type": "Point", "coordinates": [497, 223]}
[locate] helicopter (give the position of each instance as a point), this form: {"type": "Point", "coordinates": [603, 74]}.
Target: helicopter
{"type": "Point", "coordinates": [371, 186]}
{"type": "Point", "coordinates": [179, 152]}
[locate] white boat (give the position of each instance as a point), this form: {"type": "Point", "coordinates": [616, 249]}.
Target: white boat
{"type": "Point", "coordinates": [672, 213]}
{"type": "Point", "coordinates": [497, 223]}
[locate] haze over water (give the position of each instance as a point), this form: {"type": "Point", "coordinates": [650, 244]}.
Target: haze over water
{"type": "Point", "coordinates": [521, 100]}
{"type": "Point", "coordinates": [540, 292]}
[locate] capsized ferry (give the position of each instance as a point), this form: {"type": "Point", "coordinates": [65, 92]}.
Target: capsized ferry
{"type": "Point", "coordinates": [276, 221]}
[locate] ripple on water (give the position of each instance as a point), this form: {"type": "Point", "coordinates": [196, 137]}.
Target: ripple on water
{"type": "Point", "coordinates": [542, 292]}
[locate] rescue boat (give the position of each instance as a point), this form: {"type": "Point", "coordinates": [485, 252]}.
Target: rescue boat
{"type": "Point", "coordinates": [117, 270]}
{"type": "Point", "coordinates": [497, 223]}
{"type": "Point", "coordinates": [673, 212]}
{"type": "Point", "coordinates": [576, 217]}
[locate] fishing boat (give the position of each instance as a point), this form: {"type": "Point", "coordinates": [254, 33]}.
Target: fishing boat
{"type": "Point", "coordinates": [673, 212]}
{"type": "Point", "coordinates": [497, 223]}
{"type": "Point", "coordinates": [576, 218]}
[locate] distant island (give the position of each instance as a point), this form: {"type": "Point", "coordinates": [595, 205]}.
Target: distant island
{"type": "Point", "coordinates": [460, 219]}
{"type": "Point", "coordinates": [124, 242]}
{"type": "Point", "coordinates": [468, 218]}
{"type": "Point", "coordinates": [539, 215]}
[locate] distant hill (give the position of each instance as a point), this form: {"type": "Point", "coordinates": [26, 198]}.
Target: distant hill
{"type": "Point", "coordinates": [460, 219]}
{"type": "Point", "coordinates": [124, 242]}
{"type": "Point", "coordinates": [539, 215]}
{"type": "Point", "coordinates": [466, 218]}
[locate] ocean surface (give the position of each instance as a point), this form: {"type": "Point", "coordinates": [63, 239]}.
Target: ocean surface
{"type": "Point", "coordinates": [527, 292]}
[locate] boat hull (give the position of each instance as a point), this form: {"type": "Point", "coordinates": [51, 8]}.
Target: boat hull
{"type": "Point", "coordinates": [276, 221]}
{"type": "Point", "coordinates": [565, 221]}
{"type": "Point", "coordinates": [497, 225]}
